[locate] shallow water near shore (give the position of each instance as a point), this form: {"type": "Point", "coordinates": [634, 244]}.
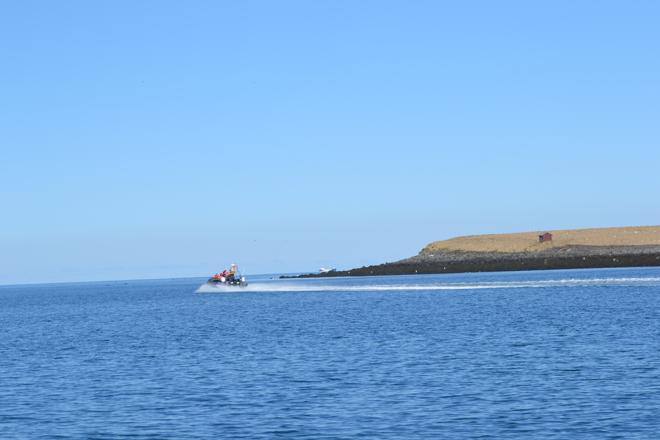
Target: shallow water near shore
{"type": "Point", "coordinates": [548, 354]}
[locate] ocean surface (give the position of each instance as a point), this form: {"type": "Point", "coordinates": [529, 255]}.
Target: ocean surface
{"type": "Point", "coordinates": [518, 355]}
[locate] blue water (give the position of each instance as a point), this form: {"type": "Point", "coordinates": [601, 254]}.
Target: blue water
{"type": "Point", "coordinates": [557, 354]}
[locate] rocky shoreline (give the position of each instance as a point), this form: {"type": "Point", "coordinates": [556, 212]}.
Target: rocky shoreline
{"type": "Point", "coordinates": [454, 261]}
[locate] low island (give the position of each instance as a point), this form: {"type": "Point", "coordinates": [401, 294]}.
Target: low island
{"type": "Point", "coordinates": [562, 249]}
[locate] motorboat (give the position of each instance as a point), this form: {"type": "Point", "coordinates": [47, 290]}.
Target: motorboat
{"type": "Point", "coordinates": [228, 278]}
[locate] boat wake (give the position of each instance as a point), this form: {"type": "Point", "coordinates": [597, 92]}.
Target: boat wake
{"type": "Point", "coordinates": [293, 286]}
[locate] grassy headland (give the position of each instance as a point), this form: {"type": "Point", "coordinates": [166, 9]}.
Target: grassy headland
{"type": "Point", "coordinates": [568, 249]}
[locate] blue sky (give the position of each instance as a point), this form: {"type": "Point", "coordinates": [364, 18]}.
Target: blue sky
{"type": "Point", "coordinates": [164, 139]}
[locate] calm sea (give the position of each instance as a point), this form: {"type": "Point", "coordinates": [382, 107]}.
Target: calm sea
{"type": "Point", "coordinates": [558, 354]}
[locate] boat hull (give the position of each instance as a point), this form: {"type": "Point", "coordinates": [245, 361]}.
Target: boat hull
{"type": "Point", "coordinates": [219, 283]}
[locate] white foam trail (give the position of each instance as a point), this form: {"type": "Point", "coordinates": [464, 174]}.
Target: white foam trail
{"type": "Point", "coordinates": [205, 288]}
{"type": "Point", "coordinates": [303, 287]}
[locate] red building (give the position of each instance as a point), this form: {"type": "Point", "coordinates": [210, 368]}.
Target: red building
{"type": "Point", "coordinates": [546, 236]}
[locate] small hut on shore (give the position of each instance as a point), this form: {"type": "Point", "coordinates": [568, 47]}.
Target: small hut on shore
{"type": "Point", "coordinates": [545, 237]}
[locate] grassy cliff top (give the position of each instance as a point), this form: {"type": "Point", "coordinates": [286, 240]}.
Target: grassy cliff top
{"type": "Point", "coordinates": [529, 241]}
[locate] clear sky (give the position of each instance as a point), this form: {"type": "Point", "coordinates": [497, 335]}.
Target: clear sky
{"type": "Point", "coordinates": [145, 139]}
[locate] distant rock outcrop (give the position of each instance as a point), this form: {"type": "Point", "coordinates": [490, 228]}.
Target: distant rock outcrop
{"type": "Point", "coordinates": [567, 249]}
